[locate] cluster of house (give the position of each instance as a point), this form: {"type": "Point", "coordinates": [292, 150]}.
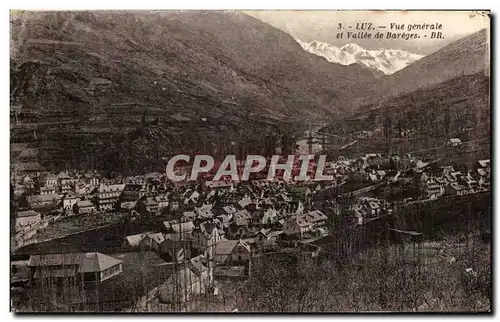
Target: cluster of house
{"type": "Point", "coordinates": [73, 193]}
{"type": "Point", "coordinates": [210, 231]}
{"type": "Point", "coordinates": [453, 182]}
{"type": "Point", "coordinates": [373, 168]}
{"type": "Point", "coordinates": [213, 229]}
{"type": "Point", "coordinates": [227, 224]}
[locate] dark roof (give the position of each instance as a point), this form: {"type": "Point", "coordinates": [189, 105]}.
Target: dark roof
{"type": "Point", "coordinates": [197, 264]}
{"type": "Point", "coordinates": [70, 195]}
{"type": "Point", "coordinates": [133, 187]}
{"type": "Point", "coordinates": [225, 247]}
{"type": "Point", "coordinates": [184, 227]}
{"type": "Point", "coordinates": [44, 198]}
{"type": "Point", "coordinates": [27, 213]}
{"type": "Point", "coordinates": [63, 272]}
{"type": "Point", "coordinates": [87, 262]}
{"type": "Point", "coordinates": [84, 203]}
{"type": "Point", "coordinates": [207, 227]}
{"type": "Point", "coordinates": [315, 215]}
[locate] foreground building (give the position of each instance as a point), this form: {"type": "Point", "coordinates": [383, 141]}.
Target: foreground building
{"type": "Point", "coordinates": [89, 267]}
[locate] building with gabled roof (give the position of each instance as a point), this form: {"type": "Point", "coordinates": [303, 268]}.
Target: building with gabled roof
{"type": "Point", "coordinates": [134, 191]}
{"type": "Point", "coordinates": [205, 212]}
{"type": "Point", "coordinates": [315, 217]}
{"type": "Point", "coordinates": [26, 167]}
{"type": "Point", "coordinates": [84, 207]}
{"type": "Point", "coordinates": [206, 236]}
{"type": "Point", "coordinates": [91, 267]}
{"type": "Point", "coordinates": [230, 251]}
{"type": "Point", "coordinates": [162, 201]}
{"type": "Point", "coordinates": [152, 241]}
{"type": "Point", "coordinates": [242, 217]}
{"type": "Point", "coordinates": [297, 225]}
{"type": "Point", "coordinates": [127, 206]}
{"type": "Point", "coordinates": [134, 241]}
{"type": "Point", "coordinates": [182, 229]}
{"type": "Point", "coordinates": [188, 216]}
{"type": "Point", "coordinates": [108, 195]}
{"type": "Point", "coordinates": [40, 201]}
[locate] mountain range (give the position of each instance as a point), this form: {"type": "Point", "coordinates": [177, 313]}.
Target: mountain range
{"type": "Point", "coordinates": [382, 62]}
{"type": "Point", "coordinates": [122, 86]}
{"type": "Point", "coordinates": [239, 74]}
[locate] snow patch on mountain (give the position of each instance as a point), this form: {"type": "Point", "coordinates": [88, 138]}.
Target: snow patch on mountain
{"type": "Point", "coordinates": [387, 61]}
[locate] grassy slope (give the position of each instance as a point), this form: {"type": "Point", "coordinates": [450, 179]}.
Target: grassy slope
{"type": "Point", "coordinates": [467, 99]}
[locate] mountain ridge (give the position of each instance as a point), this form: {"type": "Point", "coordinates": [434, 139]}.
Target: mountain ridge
{"type": "Point", "coordinates": [387, 61]}
{"type": "Point", "coordinates": [97, 72]}
{"type": "Point", "coordinates": [465, 56]}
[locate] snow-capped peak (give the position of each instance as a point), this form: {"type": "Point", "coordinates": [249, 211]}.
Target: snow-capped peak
{"type": "Point", "coordinates": [387, 61]}
{"type": "Point", "coordinates": [352, 48]}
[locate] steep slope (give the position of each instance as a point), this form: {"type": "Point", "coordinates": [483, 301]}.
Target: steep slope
{"type": "Point", "coordinates": [386, 61]}
{"type": "Point", "coordinates": [227, 56]}
{"type": "Point", "coordinates": [459, 107]}
{"type": "Point", "coordinates": [97, 72]}
{"type": "Point", "coordinates": [465, 56]}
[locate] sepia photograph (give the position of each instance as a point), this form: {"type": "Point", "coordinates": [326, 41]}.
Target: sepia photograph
{"type": "Point", "coordinates": [250, 161]}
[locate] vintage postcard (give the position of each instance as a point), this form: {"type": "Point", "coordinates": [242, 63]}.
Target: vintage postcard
{"type": "Point", "coordinates": [250, 161]}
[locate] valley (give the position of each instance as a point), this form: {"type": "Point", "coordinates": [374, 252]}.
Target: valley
{"type": "Point", "coordinates": [185, 161]}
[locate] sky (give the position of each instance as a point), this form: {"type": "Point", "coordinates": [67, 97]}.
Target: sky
{"type": "Point", "coordinates": [323, 26]}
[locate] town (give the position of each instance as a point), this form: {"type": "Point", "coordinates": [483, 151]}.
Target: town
{"type": "Point", "coordinates": [206, 230]}
{"type": "Point", "coordinates": [250, 161]}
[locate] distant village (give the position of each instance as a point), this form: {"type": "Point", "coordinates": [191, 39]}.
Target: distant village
{"type": "Point", "coordinates": [210, 230]}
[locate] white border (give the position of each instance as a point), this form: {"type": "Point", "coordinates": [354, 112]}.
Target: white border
{"type": "Point", "coordinates": [192, 4]}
